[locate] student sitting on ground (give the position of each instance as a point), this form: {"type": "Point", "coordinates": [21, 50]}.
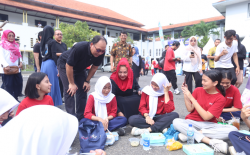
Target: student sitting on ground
{"type": "Point", "coordinates": [205, 105]}
{"type": "Point", "coordinates": [37, 87]}
{"type": "Point", "coordinates": [240, 141]}
{"type": "Point", "coordinates": [7, 104]}
{"type": "Point", "coordinates": [233, 102]}
{"type": "Point", "coordinates": [156, 107]}
{"type": "Point", "coordinates": [102, 106]}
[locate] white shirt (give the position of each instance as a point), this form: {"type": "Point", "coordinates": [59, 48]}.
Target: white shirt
{"type": "Point", "coordinates": [225, 60]}
{"type": "Point", "coordinates": [187, 64]}
{"type": "Point", "coordinates": [5, 59]}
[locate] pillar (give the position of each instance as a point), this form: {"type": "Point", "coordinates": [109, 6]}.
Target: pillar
{"type": "Point", "coordinates": [221, 31]}
{"type": "Point", "coordinates": [141, 51]}
{"type": "Point", "coordinates": [23, 17]}
{"type": "Point", "coordinates": [172, 35]}
{"type": "Point", "coordinates": [153, 45]}
{"type": "Point", "coordinates": [58, 22]}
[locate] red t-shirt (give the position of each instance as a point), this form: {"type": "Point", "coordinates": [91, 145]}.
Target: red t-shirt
{"type": "Point", "coordinates": [146, 66]}
{"type": "Point", "coordinates": [28, 102]}
{"type": "Point", "coordinates": [162, 107]}
{"type": "Point", "coordinates": [90, 107]}
{"type": "Point", "coordinates": [156, 66]}
{"type": "Point", "coordinates": [233, 98]}
{"type": "Point", "coordinates": [214, 103]}
{"type": "Point", "coordinates": [169, 63]}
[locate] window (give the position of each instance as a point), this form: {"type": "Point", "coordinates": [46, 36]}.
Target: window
{"type": "Point", "coordinates": [116, 34]}
{"type": "Point", "coordinates": [109, 49]}
{"type": "Point", "coordinates": [103, 33]}
{"type": "Point", "coordinates": [248, 10]}
{"type": "Point", "coordinates": [40, 23]}
{"type": "Point", "coordinates": [3, 17]}
{"type": "Point", "coordinates": [98, 31]}
{"type": "Point", "coordinates": [150, 52]}
{"type": "Point", "coordinates": [143, 52]}
{"type": "Point", "coordinates": [108, 33]}
{"type": "Point", "coordinates": [36, 40]}
{"type": "Point", "coordinates": [31, 42]}
{"type": "Point", "coordinates": [156, 52]}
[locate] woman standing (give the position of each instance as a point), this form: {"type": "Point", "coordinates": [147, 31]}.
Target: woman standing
{"type": "Point", "coordinates": [192, 64]}
{"type": "Point", "coordinates": [137, 64]}
{"type": "Point", "coordinates": [205, 105]}
{"type": "Point", "coordinates": [124, 86]}
{"type": "Point", "coordinates": [146, 68]}
{"type": "Point", "coordinates": [48, 53]}
{"type": "Point", "coordinates": [10, 63]}
{"type": "Point", "coordinates": [241, 56]}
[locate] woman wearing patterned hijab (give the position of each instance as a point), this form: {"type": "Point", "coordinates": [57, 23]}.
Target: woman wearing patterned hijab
{"type": "Point", "coordinates": [137, 63]}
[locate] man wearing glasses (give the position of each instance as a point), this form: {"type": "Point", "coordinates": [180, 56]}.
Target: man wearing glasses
{"type": "Point", "coordinates": [72, 65]}
{"type": "Point", "coordinates": [59, 48]}
{"type": "Point", "coordinates": [120, 50]}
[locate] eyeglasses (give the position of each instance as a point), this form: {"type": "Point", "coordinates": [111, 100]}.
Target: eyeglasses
{"type": "Point", "coordinates": [100, 51]}
{"type": "Point", "coordinates": [59, 34]}
{"type": "Point", "coordinates": [11, 36]}
{"type": "Point", "coordinates": [192, 40]}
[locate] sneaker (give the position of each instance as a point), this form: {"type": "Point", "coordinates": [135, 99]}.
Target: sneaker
{"type": "Point", "coordinates": [182, 137]}
{"type": "Point", "coordinates": [165, 130]}
{"type": "Point", "coordinates": [219, 145]}
{"type": "Point", "coordinates": [176, 91]}
{"type": "Point", "coordinates": [136, 131]}
{"type": "Point", "coordinates": [232, 150]}
{"type": "Point", "coordinates": [121, 132]}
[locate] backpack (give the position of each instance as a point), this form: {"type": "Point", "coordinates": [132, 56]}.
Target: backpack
{"type": "Point", "coordinates": [91, 135]}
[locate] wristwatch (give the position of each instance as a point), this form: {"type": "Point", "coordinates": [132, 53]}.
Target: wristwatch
{"type": "Point", "coordinates": [87, 81]}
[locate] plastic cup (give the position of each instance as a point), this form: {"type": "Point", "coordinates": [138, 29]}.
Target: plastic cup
{"type": "Point", "coordinates": [236, 122]}
{"type": "Point", "coordinates": [134, 141]}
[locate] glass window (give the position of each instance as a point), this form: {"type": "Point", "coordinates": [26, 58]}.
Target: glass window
{"type": "Point", "coordinates": [3, 17]}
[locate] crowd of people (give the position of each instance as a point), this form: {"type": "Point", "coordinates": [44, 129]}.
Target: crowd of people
{"type": "Point", "coordinates": [119, 100]}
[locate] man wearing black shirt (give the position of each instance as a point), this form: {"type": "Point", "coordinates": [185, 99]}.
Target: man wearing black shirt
{"type": "Point", "coordinates": [61, 47]}
{"type": "Point", "coordinates": [72, 65]}
{"type": "Point", "coordinates": [36, 53]}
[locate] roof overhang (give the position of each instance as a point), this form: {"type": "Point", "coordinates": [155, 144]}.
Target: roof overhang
{"type": "Point", "coordinates": [221, 5]}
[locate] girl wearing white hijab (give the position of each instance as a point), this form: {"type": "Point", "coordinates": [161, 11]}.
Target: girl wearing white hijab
{"type": "Point", "coordinates": [102, 106]}
{"type": "Point", "coordinates": [7, 104]}
{"type": "Point", "coordinates": [192, 63]}
{"type": "Point", "coordinates": [155, 108]}
{"type": "Point", "coordinates": [39, 130]}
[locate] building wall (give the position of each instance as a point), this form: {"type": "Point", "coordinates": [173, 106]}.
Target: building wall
{"type": "Point", "coordinates": [237, 18]}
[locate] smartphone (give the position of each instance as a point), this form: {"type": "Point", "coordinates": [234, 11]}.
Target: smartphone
{"type": "Point", "coordinates": [4, 24]}
{"type": "Point", "coordinates": [184, 83]}
{"type": "Point", "coordinates": [192, 53]}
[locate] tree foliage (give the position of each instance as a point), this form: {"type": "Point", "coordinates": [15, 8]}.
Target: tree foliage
{"type": "Point", "coordinates": [80, 31]}
{"type": "Point", "coordinates": [202, 30]}
{"type": "Point", "coordinates": [129, 40]}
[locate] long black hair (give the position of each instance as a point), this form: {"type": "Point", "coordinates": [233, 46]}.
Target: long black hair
{"type": "Point", "coordinates": [216, 75]}
{"type": "Point", "coordinates": [226, 75]}
{"type": "Point", "coordinates": [33, 80]}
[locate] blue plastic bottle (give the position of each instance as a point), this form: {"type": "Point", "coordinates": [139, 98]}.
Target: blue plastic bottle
{"type": "Point", "coordinates": [146, 141]}
{"type": "Point", "coordinates": [190, 134]}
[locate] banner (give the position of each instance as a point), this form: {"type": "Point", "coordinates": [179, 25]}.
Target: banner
{"type": "Point", "coordinates": [161, 35]}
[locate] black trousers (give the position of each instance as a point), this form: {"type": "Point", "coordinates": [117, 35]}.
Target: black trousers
{"type": "Point", "coordinates": [61, 86]}
{"type": "Point", "coordinates": [81, 95]}
{"type": "Point", "coordinates": [189, 80]}
{"type": "Point", "coordinates": [232, 70]}
{"type": "Point", "coordinates": [171, 76]}
{"type": "Point", "coordinates": [161, 121]}
{"type": "Point", "coordinates": [13, 84]}
{"type": "Point", "coordinates": [146, 72]}
{"type": "Point", "coordinates": [21, 82]}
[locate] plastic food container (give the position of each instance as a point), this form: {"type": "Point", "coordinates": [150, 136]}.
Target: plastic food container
{"type": "Point", "coordinates": [134, 141]}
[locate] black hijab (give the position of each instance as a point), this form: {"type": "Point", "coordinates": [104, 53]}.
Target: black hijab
{"type": "Point", "coordinates": [48, 33]}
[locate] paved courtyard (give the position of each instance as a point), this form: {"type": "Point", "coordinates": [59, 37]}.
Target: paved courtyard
{"type": "Point", "coordinates": [123, 147]}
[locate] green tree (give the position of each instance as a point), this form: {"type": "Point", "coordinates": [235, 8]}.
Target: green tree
{"type": "Point", "coordinates": [129, 40]}
{"type": "Point", "coordinates": [80, 31]}
{"type": "Point", "coordinates": [203, 41]}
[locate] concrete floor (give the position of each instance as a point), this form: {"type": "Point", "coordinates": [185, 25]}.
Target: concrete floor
{"type": "Point", "coordinates": [122, 146]}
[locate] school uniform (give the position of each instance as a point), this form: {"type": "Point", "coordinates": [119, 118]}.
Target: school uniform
{"type": "Point", "coordinates": [153, 103]}
{"type": "Point", "coordinates": [103, 106]}
{"type": "Point", "coordinates": [28, 102]}
{"type": "Point", "coordinates": [232, 100]}
{"type": "Point", "coordinates": [213, 103]}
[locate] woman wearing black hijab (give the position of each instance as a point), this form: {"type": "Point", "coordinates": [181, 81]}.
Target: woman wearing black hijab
{"type": "Point", "coordinates": [48, 53]}
{"type": "Point", "coordinates": [241, 56]}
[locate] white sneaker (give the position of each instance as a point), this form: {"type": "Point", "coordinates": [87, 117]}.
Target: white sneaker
{"type": "Point", "coordinates": [137, 131]}
{"type": "Point", "coordinates": [182, 137]}
{"type": "Point", "coordinates": [219, 145]}
{"type": "Point", "coordinates": [176, 91]}
{"type": "Point", "coordinates": [165, 130]}
{"type": "Point", "coordinates": [232, 150]}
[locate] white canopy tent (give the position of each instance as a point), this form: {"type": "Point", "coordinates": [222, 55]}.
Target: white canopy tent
{"type": "Point", "coordinates": [246, 42]}
{"type": "Point", "coordinates": [180, 50]}
{"type": "Point", "coordinates": [208, 46]}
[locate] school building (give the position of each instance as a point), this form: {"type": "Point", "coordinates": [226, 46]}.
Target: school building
{"type": "Point", "coordinates": [28, 17]}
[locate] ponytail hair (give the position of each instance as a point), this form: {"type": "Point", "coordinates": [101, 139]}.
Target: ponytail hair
{"type": "Point", "coordinates": [216, 75]}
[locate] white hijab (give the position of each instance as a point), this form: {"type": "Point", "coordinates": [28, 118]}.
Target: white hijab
{"type": "Point", "coordinates": [160, 79]}
{"type": "Point", "coordinates": [196, 50]}
{"type": "Point", "coordinates": [39, 130]}
{"type": "Point", "coordinates": [100, 99]}
{"type": "Point", "coordinates": [7, 102]}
